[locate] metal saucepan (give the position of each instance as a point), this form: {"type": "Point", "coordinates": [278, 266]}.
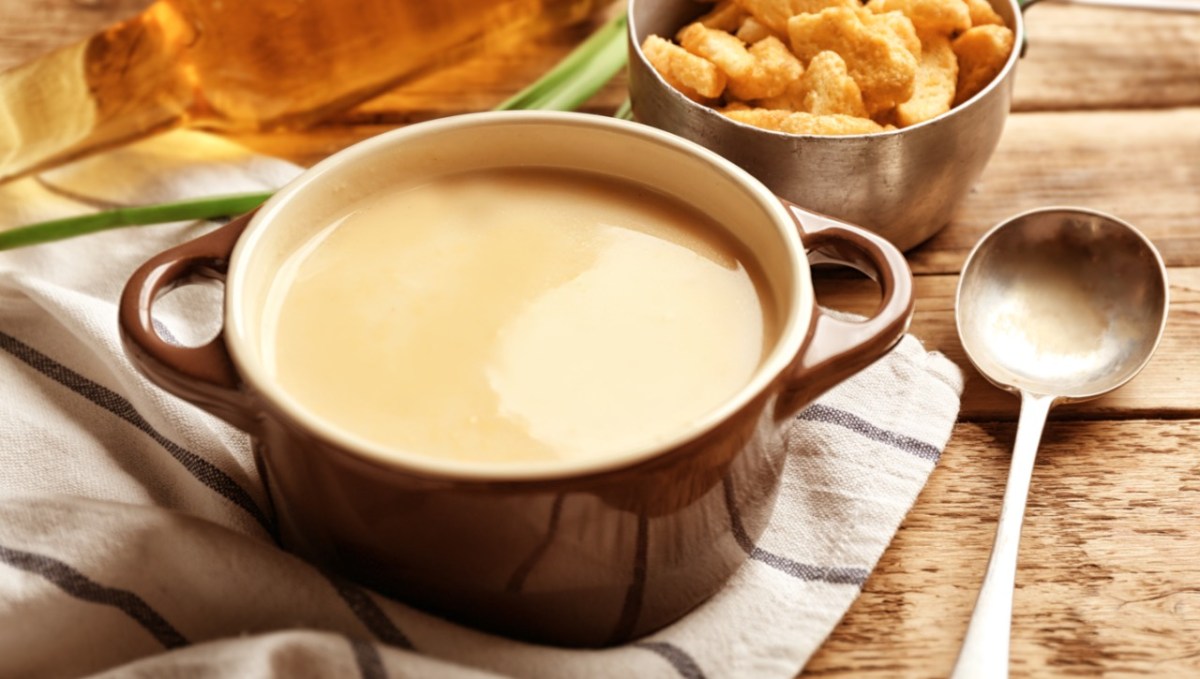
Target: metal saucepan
{"type": "Point", "coordinates": [903, 184]}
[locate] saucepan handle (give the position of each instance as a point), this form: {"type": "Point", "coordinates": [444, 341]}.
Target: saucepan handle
{"type": "Point", "coordinates": [839, 347]}
{"type": "Point", "coordinates": [204, 375]}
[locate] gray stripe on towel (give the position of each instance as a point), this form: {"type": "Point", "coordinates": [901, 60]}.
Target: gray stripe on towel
{"type": "Point", "coordinates": [828, 415]}
{"type": "Point", "coordinates": [84, 588]}
{"type": "Point", "coordinates": [366, 656]}
{"type": "Point", "coordinates": [164, 333]}
{"type": "Point", "coordinates": [204, 471]}
{"type": "Point", "coordinates": [836, 575]}
{"type": "Point", "coordinates": [369, 613]}
{"type": "Point", "coordinates": [683, 663]}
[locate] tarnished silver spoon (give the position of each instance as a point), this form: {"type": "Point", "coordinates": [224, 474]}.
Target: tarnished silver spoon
{"type": "Point", "coordinates": [1056, 305]}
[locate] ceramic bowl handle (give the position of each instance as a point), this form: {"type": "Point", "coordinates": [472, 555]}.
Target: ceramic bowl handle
{"type": "Point", "coordinates": [204, 375]}
{"type": "Point", "coordinates": [839, 348]}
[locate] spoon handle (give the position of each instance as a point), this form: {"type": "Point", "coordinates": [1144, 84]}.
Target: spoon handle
{"type": "Point", "coordinates": [984, 653]}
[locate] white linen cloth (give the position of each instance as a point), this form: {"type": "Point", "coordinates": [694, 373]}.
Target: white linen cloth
{"type": "Point", "coordinates": [133, 531]}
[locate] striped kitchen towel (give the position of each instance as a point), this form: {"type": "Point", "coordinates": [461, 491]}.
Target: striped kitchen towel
{"type": "Point", "coordinates": [135, 536]}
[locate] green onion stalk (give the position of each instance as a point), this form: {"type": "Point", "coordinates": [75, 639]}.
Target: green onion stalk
{"type": "Point", "coordinates": [564, 88]}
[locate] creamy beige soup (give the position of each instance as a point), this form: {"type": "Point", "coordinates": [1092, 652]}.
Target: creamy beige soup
{"type": "Point", "coordinates": [517, 315]}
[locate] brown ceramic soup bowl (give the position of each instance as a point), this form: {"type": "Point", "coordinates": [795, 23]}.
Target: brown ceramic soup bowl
{"type": "Point", "coordinates": [576, 553]}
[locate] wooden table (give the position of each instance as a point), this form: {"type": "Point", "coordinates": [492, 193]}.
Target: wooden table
{"type": "Point", "coordinates": [1107, 115]}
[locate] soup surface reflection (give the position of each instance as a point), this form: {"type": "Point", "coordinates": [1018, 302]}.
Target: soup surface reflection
{"type": "Point", "coordinates": [517, 315]}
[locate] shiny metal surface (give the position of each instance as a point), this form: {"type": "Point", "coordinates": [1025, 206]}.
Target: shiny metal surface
{"type": "Point", "coordinates": [1063, 302]}
{"type": "Point", "coordinates": [904, 185]}
{"type": "Point", "coordinates": [1059, 304]}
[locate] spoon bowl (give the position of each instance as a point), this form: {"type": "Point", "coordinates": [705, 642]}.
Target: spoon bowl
{"type": "Point", "coordinates": [1056, 305]}
{"type": "Point", "coordinates": [1062, 301]}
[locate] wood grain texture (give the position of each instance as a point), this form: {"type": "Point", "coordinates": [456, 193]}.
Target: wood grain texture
{"type": "Point", "coordinates": [1108, 579]}
{"type": "Point", "coordinates": [1142, 166]}
{"type": "Point", "coordinates": [1105, 58]}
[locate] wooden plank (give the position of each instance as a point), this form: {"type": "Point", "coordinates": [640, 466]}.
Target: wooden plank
{"type": "Point", "coordinates": [1093, 58]}
{"type": "Point", "coordinates": [1166, 388]}
{"type": "Point", "coordinates": [1143, 166]}
{"type": "Point", "coordinates": [1108, 570]}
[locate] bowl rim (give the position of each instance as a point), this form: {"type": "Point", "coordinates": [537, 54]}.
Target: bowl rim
{"type": "Point", "coordinates": [240, 334]}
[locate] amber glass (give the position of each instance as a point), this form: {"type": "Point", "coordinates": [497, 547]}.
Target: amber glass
{"type": "Point", "coordinates": [242, 66]}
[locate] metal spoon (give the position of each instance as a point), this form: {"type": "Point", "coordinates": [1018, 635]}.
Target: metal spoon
{"type": "Point", "coordinates": [1056, 305]}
